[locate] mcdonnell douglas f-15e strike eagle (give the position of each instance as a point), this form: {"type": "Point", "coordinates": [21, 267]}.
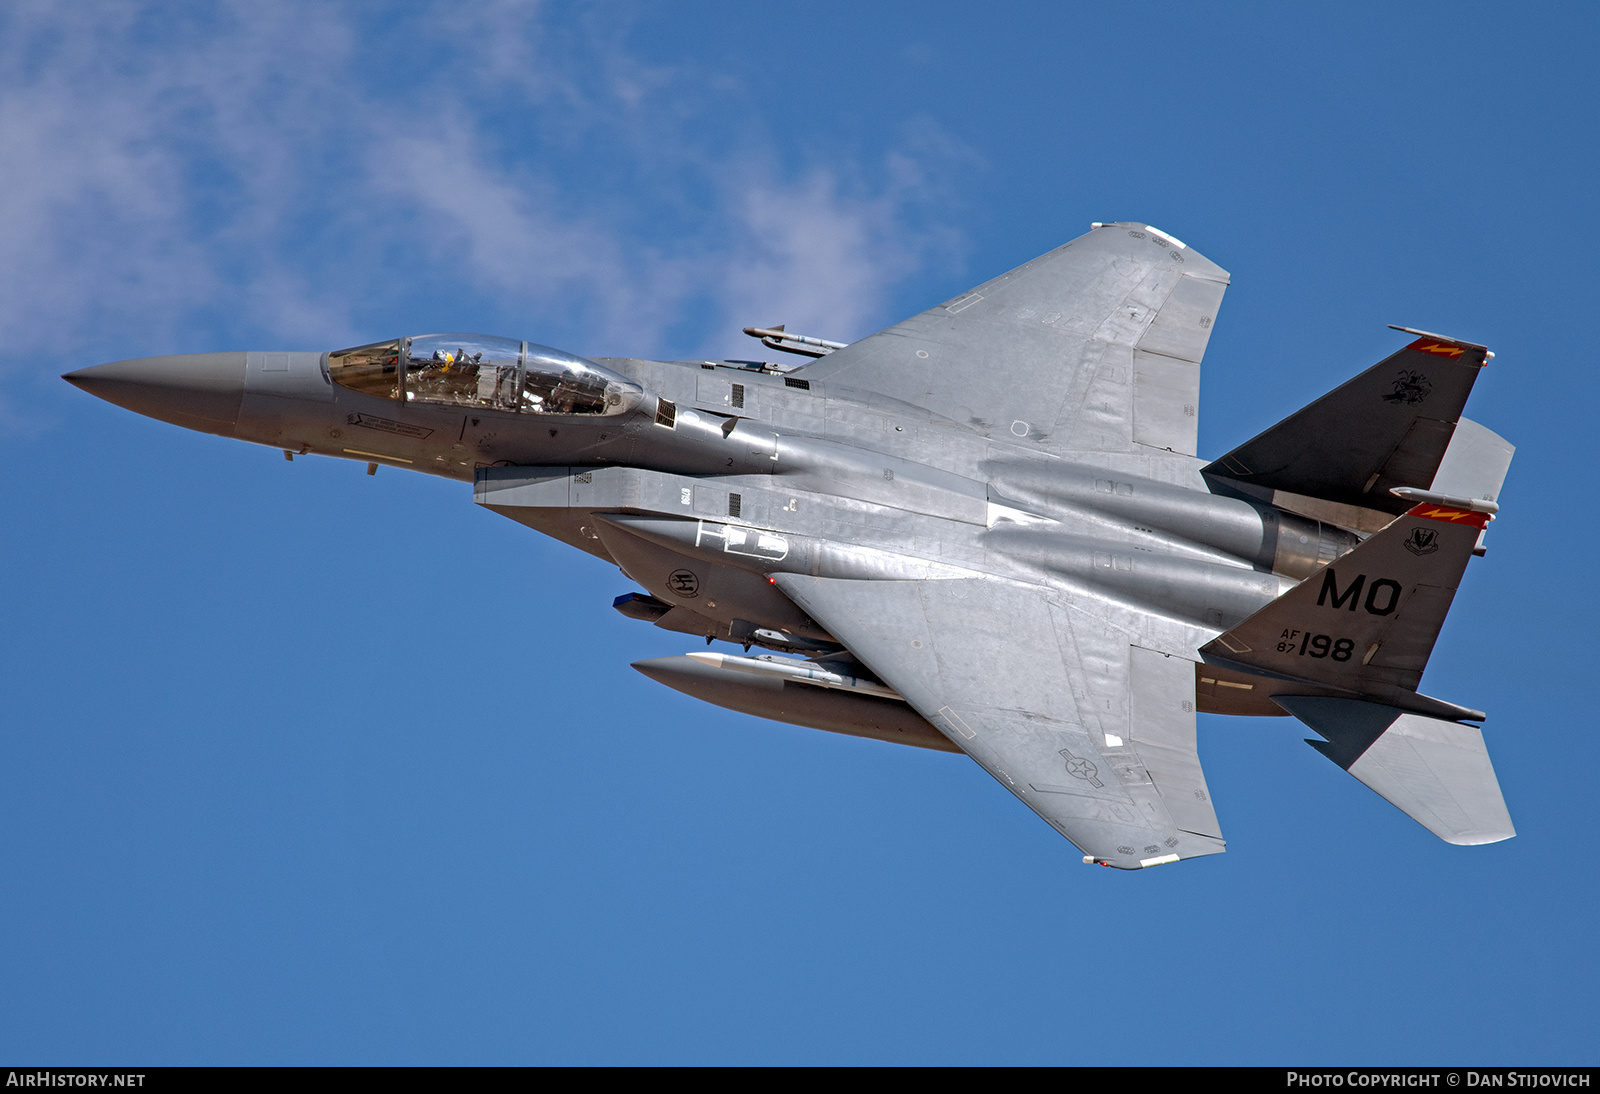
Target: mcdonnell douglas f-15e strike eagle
{"type": "Point", "coordinates": [982, 530]}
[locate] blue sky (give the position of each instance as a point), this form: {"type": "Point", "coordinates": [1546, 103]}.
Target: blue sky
{"type": "Point", "coordinates": [301, 766]}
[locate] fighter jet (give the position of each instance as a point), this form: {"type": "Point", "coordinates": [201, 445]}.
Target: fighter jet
{"type": "Point", "coordinates": [983, 530]}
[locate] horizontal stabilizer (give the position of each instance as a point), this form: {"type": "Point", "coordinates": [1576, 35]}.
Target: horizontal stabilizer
{"type": "Point", "coordinates": [1437, 773]}
{"type": "Point", "coordinates": [1367, 622]}
{"type": "Point", "coordinates": [1475, 464]}
{"type": "Point", "coordinates": [1388, 427]}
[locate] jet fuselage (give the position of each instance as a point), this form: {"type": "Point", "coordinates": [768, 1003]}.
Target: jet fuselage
{"type": "Point", "coordinates": [716, 475]}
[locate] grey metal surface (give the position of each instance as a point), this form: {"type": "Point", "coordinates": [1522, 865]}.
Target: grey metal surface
{"type": "Point", "coordinates": [984, 529]}
{"type": "Point", "coordinates": [199, 391]}
{"type": "Point", "coordinates": [1475, 464]}
{"type": "Point", "coordinates": [1042, 697]}
{"type": "Point", "coordinates": [1094, 346]}
{"type": "Point", "coordinates": [850, 713]}
{"type": "Point", "coordinates": [1438, 773]}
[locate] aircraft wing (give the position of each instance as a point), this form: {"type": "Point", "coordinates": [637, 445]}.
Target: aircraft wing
{"type": "Point", "coordinates": [1092, 732]}
{"type": "Point", "coordinates": [1095, 346]}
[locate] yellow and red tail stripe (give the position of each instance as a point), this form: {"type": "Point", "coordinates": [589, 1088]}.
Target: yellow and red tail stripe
{"type": "Point", "coordinates": [1437, 348]}
{"type": "Point", "coordinates": [1450, 516]}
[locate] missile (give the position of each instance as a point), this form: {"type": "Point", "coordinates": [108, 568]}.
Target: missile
{"type": "Point", "coordinates": [778, 338]}
{"type": "Point", "coordinates": [791, 669]}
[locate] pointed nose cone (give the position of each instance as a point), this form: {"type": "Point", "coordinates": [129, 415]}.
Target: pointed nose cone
{"type": "Point", "coordinates": [195, 390]}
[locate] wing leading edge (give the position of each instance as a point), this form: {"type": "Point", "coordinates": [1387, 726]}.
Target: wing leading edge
{"type": "Point", "coordinates": [1094, 734]}
{"type": "Point", "coordinates": [1095, 346]}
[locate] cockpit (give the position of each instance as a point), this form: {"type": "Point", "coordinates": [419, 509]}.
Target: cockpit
{"type": "Point", "coordinates": [484, 372]}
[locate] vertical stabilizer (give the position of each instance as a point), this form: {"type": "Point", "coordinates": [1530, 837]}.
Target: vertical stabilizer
{"type": "Point", "coordinates": [1388, 427]}
{"type": "Point", "coordinates": [1365, 624]}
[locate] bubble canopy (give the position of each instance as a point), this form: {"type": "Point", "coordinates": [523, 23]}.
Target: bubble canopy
{"type": "Point", "coordinates": [484, 372]}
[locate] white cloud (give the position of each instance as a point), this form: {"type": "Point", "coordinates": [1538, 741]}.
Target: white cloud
{"type": "Point", "coordinates": [813, 258]}
{"type": "Point", "coordinates": [518, 238]}
{"type": "Point", "coordinates": [821, 255]}
{"type": "Point", "coordinates": [297, 172]}
{"type": "Point", "coordinates": [141, 169]}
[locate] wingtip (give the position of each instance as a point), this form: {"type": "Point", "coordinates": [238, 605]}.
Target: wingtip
{"type": "Point", "coordinates": [1488, 355]}
{"type": "Point", "coordinates": [1480, 839]}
